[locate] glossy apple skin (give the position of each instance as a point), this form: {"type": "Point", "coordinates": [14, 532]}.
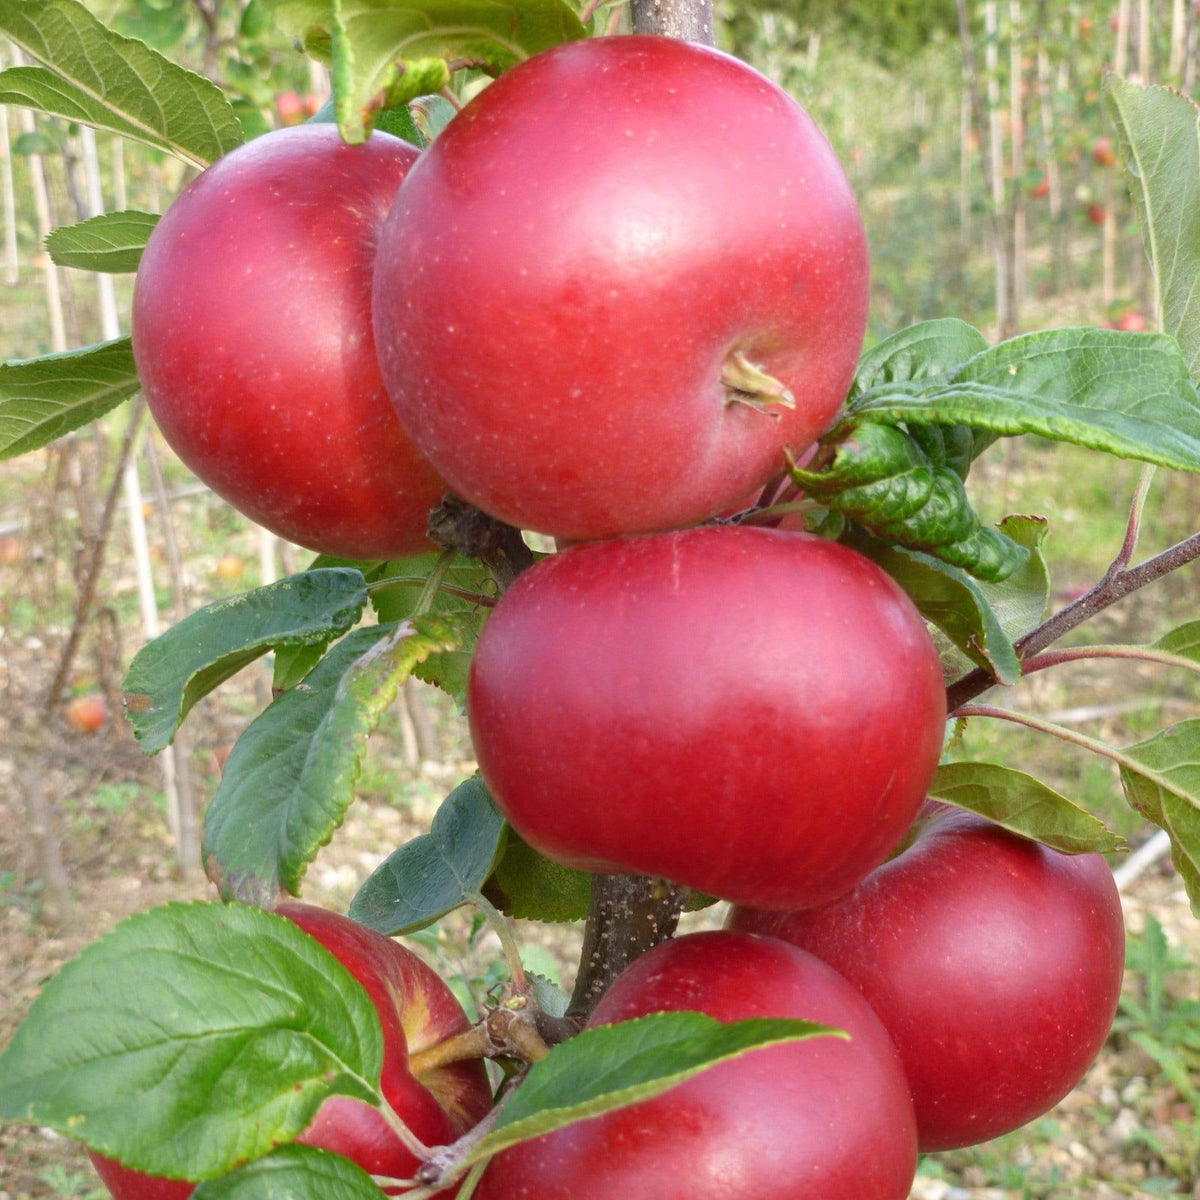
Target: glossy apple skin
{"type": "Point", "coordinates": [824, 1119]}
{"type": "Point", "coordinates": [567, 267]}
{"type": "Point", "coordinates": [993, 962]}
{"type": "Point", "coordinates": [252, 335]}
{"type": "Point", "coordinates": [752, 713]}
{"type": "Point", "coordinates": [416, 1009]}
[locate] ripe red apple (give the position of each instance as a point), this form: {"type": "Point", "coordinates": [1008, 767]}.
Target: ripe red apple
{"type": "Point", "coordinates": [416, 1010]}
{"type": "Point", "coordinates": [1131, 322]}
{"type": "Point", "coordinates": [1096, 214]}
{"type": "Point", "coordinates": [252, 334]}
{"type": "Point", "coordinates": [824, 1119]}
{"type": "Point", "coordinates": [1041, 189]}
{"type": "Point", "coordinates": [993, 962]}
{"type": "Point", "coordinates": [87, 714]}
{"type": "Point", "coordinates": [582, 275]}
{"type": "Point", "coordinates": [1102, 152]}
{"type": "Point", "coordinates": [753, 713]}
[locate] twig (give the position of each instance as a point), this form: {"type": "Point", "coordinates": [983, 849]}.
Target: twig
{"type": "Point", "coordinates": [688, 20]}
{"type": "Point", "coordinates": [1055, 658]}
{"type": "Point", "coordinates": [456, 525]}
{"type": "Point", "coordinates": [87, 590]}
{"type": "Point", "coordinates": [1116, 585]}
{"type": "Point", "coordinates": [627, 915]}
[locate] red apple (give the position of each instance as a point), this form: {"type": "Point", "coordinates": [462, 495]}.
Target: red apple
{"type": "Point", "coordinates": [825, 1119]}
{"type": "Point", "coordinates": [1132, 322]}
{"type": "Point", "coordinates": [416, 1010]}
{"type": "Point", "coordinates": [1041, 189]}
{"type": "Point", "coordinates": [1102, 152]}
{"type": "Point", "coordinates": [580, 269]}
{"type": "Point", "coordinates": [87, 714]}
{"type": "Point", "coordinates": [753, 713]}
{"type": "Point", "coordinates": [1096, 214]}
{"type": "Point", "coordinates": [252, 334]}
{"type": "Point", "coordinates": [993, 962]}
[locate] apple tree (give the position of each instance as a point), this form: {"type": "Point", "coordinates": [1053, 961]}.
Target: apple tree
{"type": "Point", "coordinates": [617, 299]}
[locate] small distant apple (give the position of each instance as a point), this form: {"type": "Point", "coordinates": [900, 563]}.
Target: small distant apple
{"type": "Point", "coordinates": [1041, 189]}
{"type": "Point", "coordinates": [1096, 213]}
{"type": "Point", "coordinates": [312, 103]}
{"type": "Point", "coordinates": [87, 714]}
{"type": "Point", "coordinates": [1132, 322]}
{"type": "Point", "coordinates": [290, 107]}
{"type": "Point", "coordinates": [11, 551]}
{"type": "Point", "coordinates": [1103, 153]}
{"type": "Point", "coordinates": [229, 566]}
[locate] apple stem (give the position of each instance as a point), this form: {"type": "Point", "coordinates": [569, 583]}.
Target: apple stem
{"type": "Point", "coordinates": [445, 1165]}
{"type": "Point", "coordinates": [411, 1142]}
{"type": "Point", "coordinates": [1054, 658]}
{"type": "Point", "coordinates": [747, 383]}
{"type": "Point", "coordinates": [768, 516]}
{"type": "Point", "coordinates": [471, 1043]}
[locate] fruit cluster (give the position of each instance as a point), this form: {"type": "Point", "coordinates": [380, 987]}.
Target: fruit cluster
{"type": "Point", "coordinates": [623, 282]}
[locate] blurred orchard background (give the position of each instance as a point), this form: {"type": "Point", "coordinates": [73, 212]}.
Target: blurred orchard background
{"type": "Point", "coordinates": [976, 139]}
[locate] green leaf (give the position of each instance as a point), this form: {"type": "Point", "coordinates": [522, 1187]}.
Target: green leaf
{"type": "Point", "coordinates": [1157, 139]}
{"type": "Point", "coordinates": [1161, 778]}
{"type": "Point", "coordinates": [255, 19]}
{"type": "Point", "coordinates": [293, 663]}
{"type": "Point", "coordinates": [396, 585]}
{"type": "Point", "coordinates": [290, 777]}
{"type": "Point", "coordinates": [976, 622]}
{"type": "Point", "coordinates": [171, 673]}
{"type": "Point", "coordinates": [438, 871]}
{"type": "Point", "coordinates": [387, 52]}
{"type": "Point", "coordinates": [884, 480]}
{"type": "Point", "coordinates": [547, 995]}
{"type": "Point", "coordinates": [527, 885]}
{"type": "Point", "coordinates": [953, 602]}
{"type": "Point", "coordinates": [127, 1046]}
{"type": "Point", "coordinates": [99, 78]}
{"type": "Point", "coordinates": [395, 601]}
{"type": "Point", "coordinates": [431, 114]}
{"type": "Point", "coordinates": [44, 398]}
{"type": "Point", "coordinates": [33, 142]}
{"type": "Point", "coordinates": [1128, 394]}
{"type": "Point", "coordinates": [928, 350]}
{"type": "Point", "coordinates": [112, 243]}
{"type": "Point", "coordinates": [1023, 805]}
{"type": "Point", "coordinates": [612, 1066]}
{"type": "Point", "coordinates": [293, 1172]}
{"type": "Point", "coordinates": [1183, 642]}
